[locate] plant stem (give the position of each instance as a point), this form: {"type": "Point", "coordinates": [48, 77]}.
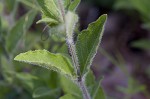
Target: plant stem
{"type": "Point", "coordinates": [80, 81]}
{"type": "Point", "coordinates": [72, 49]}
{"type": "Point", "coordinates": [74, 57]}
{"type": "Point", "coordinates": [84, 89]}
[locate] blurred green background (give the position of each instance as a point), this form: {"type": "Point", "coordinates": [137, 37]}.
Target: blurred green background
{"type": "Point", "coordinates": [123, 58]}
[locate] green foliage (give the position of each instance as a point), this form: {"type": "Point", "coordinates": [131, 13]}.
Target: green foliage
{"type": "Point", "coordinates": [50, 12]}
{"type": "Point", "coordinates": [93, 87]}
{"type": "Point", "coordinates": [43, 58]}
{"type": "Point", "coordinates": [143, 44]}
{"type": "Point", "coordinates": [67, 3]}
{"type": "Point", "coordinates": [141, 6]}
{"type": "Point", "coordinates": [18, 30]}
{"type": "Point", "coordinates": [74, 4]}
{"type": "Point", "coordinates": [88, 43]}
{"type": "Point", "coordinates": [73, 83]}
{"type": "Point", "coordinates": [10, 4]}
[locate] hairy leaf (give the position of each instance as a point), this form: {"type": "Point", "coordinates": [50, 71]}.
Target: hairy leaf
{"type": "Point", "coordinates": [19, 28]}
{"type": "Point", "coordinates": [74, 4]}
{"type": "Point", "coordinates": [50, 10]}
{"type": "Point", "coordinates": [47, 20]}
{"type": "Point", "coordinates": [71, 20]}
{"type": "Point", "coordinates": [88, 43]}
{"type": "Point", "coordinates": [43, 58]}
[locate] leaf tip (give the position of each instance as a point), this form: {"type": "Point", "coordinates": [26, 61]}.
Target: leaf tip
{"type": "Point", "coordinates": [17, 58]}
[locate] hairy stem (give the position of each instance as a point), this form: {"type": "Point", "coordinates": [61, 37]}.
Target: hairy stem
{"type": "Point", "coordinates": [80, 81]}
{"type": "Point", "coordinates": [84, 90]}
{"type": "Point", "coordinates": [74, 57]}
{"type": "Point", "coordinates": [72, 49]}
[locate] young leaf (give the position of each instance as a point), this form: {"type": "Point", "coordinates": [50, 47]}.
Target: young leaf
{"type": "Point", "coordinates": [43, 58]}
{"type": "Point", "coordinates": [17, 31]}
{"type": "Point", "coordinates": [74, 4]}
{"type": "Point", "coordinates": [88, 42]}
{"type": "Point", "coordinates": [71, 20]}
{"type": "Point", "coordinates": [97, 92]}
{"type": "Point", "coordinates": [50, 10]}
{"type": "Point", "coordinates": [67, 3]}
{"type": "Point", "coordinates": [94, 87]}
{"type": "Point", "coordinates": [47, 20]}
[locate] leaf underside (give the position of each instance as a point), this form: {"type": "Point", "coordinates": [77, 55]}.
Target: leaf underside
{"type": "Point", "coordinates": [43, 58]}
{"type": "Point", "coordinates": [88, 43]}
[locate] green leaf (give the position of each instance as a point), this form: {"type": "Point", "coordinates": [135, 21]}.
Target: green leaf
{"type": "Point", "coordinates": [70, 87]}
{"type": "Point", "coordinates": [69, 96]}
{"type": "Point", "coordinates": [143, 44]}
{"type": "Point", "coordinates": [88, 43]}
{"type": "Point", "coordinates": [67, 3]}
{"type": "Point", "coordinates": [94, 87]}
{"type": "Point", "coordinates": [99, 93]}
{"type": "Point", "coordinates": [50, 10]}
{"type": "Point", "coordinates": [19, 28]}
{"type": "Point", "coordinates": [141, 6]}
{"type": "Point", "coordinates": [43, 58]}
{"type": "Point", "coordinates": [74, 4]}
{"type": "Point", "coordinates": [44, 91]}
{"type": "Point", "coordinates": [47, 20]}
